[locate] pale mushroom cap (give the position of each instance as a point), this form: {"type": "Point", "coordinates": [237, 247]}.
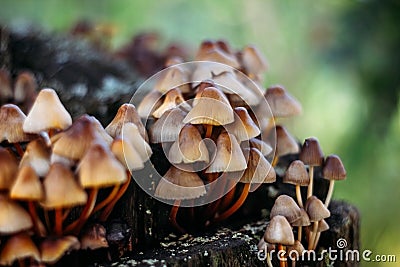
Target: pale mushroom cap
{"type": "Point", "coordinates": [212, 108]}
{"type": "Point", "coordinates": [11, 121]}
{"type": "Point", "coordinates": [27, 185]}
{"type": "Point", "coordinates": [126, 113]}
{"type": "Point", "coordinates": [94, 237]}
{"type": "Point", "coordinates": [76, 140]}
{"type": "Point", "coordinates": [53, 248]}
{"type": "Point", "coordinates": [25, 86]}
{"type": "Point", "coordinates": [189, 147]}
{"type": "Point", "coordinates": [61, 188]}
{"type": "Point", "coordinates": [127, 154]}
{"type": "Point", "coordinates": [149, 104]}
{"type": "Point", "coordinates": [8, 169]}
{"type": "Point", "coordinates": [47, 113]}
{"type": "Point", "coordinates": [259, 170]}
{"type": "Point", "coordinates": [173, 98]}
{"type": "Point", "coordinates": [304, 220]}
{"type": "Point", "coordinates": [229, 84]}
{"type": "Point", "coordinates": [287, 207]}
{"type": "Point", "coordinates": [323, 226]}
{"type": "Point", "coordinates": [285, 143]}
{"type": "Point", "coordinates": [316, 210]}
{"type": "Point", "coordinates": [207, 70]}
{"type": "Point", "coordinates": [173, 77]}
{"type": "Point", "coordinates": [281, 102]}
{"type": "Point", "coordinates": [297, 246]}
{"type": "Point", "coordinates": [131, 133]}
{"type": "Point", "coordinates": [13, 218]}
{"type": "Point", "coordinates": [178, 184]}
{"type": "Point", "coordinates": [253, 61]}
{"type": "Point", "coordinates": [279, 232]}
{"type": "Point", "coordinates": [311, 152]}
{"type": "Point", "coordinates": [37, 155]}
{"type": "Point", "coordinates": [19, 246]}
{"type": "Point", "coordinates": [229, 156]}
{"type": "Point", "coordinates": [297, 174]}
{"type": "Point", "coordinates": [262, 146]}
{"type": "Point", "coordinates": [168, 126]}
{"type": "Point", "coordinates": [220, 56]}
{"type": "Point", "coordinates": [333, 168]}
{"type": "Point", "coordinates": [243, 127]}
{"type": "Point", "coordinates": [99, 168]}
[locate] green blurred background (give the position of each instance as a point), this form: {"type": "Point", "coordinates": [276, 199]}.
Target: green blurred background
{"type": "Point", "coordinates": [341, 59]}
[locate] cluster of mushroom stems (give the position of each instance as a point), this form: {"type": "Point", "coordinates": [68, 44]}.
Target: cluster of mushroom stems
{"type": "Point", "coordinates": [51, 172]}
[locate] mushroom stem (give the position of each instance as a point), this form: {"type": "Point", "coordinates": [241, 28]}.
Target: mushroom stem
{"type": "Point", "coordinates": [19, 149]}
{"type": "Point", "coordinates": [45, 137]}
{"type": "Point", "coordinates": [312, 235]}
{"type": "Point", "coordinates": [316, 240]}
{"type": "Point", "coordinates": [269, 262]}
{"type": "Point", "coordinates": [212, 208]}
{"type": "Point", "coordinates": [227, 199]}
{"type": "Point", "coordinates": [275, 161]}
{"type": "Point", "coordinates": [209, 129]}
{"type": "Point", "coordinates": [107, 200]}
{"type": "Point", "coordinates": [58, 221]}
{"type": "Point", "coordinates": [108, 209]}
{"type": "Point", "coordinates": [235, 206]}
{"type": "Point", "coordinates": [76, 226]}
{"type": "Point", "coordinates": [66, 213]}
{"type": "Point", "coordinates": [37, 224]}
{"type": "Point", "coordinates": [311, 184]}
{"type": "Point", "coordinates": [172, 216]}
{"type": "Point", "coordinates": [298, 195]}
{"type": "Point", "coordinates": [330, 192]}
{"type": "Point", "coordinates": [299, 233]}
{"type": "Point", "coordinates": [282, 263]}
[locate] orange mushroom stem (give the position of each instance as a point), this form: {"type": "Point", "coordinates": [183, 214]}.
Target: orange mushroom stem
{"type": "Point", "coordinates": [173, 214]}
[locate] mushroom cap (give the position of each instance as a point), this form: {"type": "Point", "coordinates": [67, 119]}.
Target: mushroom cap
{"type": "Point", "coordinates": [262, 146]}
{"type": "Point", "coordinates": [127, 154]}
{"type": "Point", "coordinates": [25, 87]}
{"type": "Point", "coordinates": [220, 56]}
{"type": "Point", "coordinates": [297, 174]}
{"type": "Point", "coordinates": [173, 77]}
{"type": "Point", "coordinates": [229, 84]}
{"type": "Point", "coordinates": [131, 133]}
{"type": "Point", "coordinates": [258, 169]}
{"type": "Point", "coordinates": [27, 185]}
{"type": "Point", "coordinates": [311, 152]}
{"type": "Point", "coordinates": [316, 210]}
{"type": "Point", "coordinates": [94, 237]}
{"type": "Point", "coordinates": [229, 156]}
{"type": "Point", "coordinates": [287, 207]}
{"type": "Point", "coordinates": [61, 188]}
{"type": "Point", "coordinates": [47, 113]}
{"type": "Point", "coordinates": [323, 226]}
{"type": "Point", "coordinates": [303, 220]}
{"type": "Point", "coordinates": [168, 126]}
{"type": "Point", "coordinates": [253, 60]}
{"type": "Point", "coordinates": [207, 70]}
{"type": "Point", "coordinates": [11, 121]}
{"type": "Point", "coordinates": [212, 108]}
{"type": "Point", "coordinates": [243, 127]}
{"type": "Point", "coordinates": [285, 143]}
{"type": "Point", "coordinates": [53, 248]}
{"type": "Point", "coordinates": [281, 102]}
{"type": "Point", "coordinates": [99, 168]}
{"type": "Point", "coordinates": [279, 231]}
{"type": "Point", "coordinates": [149, 104]}
{"type": "Point", "coordinates": [13, 218]}
{"type": "Point", "coordinates": [333, 168]}
{"type": "Point", "coordinates": [126, 113]}
{"type": "Point", "coordinates": [297, 246]}
{"type": "Point", "coordinates": [189, 147]}
{"type": "Point", "coordinates": [76, 140]}
{"type": "Point", "coordinates": [37, 155]}
{"type": "Point", "coordinates": [17, 247]}
{"type": "Point", "coordinates": [173, 98]}
{"type": "Point", "coordinates": [8, 169]}
{"type": "Point", "coordinates": [178, 184]}
{"type": "Point", "coordinates": [6, 91]}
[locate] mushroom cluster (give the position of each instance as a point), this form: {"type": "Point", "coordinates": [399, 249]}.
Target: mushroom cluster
{"type": "Point", "coordinates": [60, 178]}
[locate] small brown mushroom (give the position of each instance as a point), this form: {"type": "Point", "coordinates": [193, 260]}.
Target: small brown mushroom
{"type": "Point", "coordinates": [173, 98]}
{"type": "Point", "coordinates": [333, 170]}
{"type": "Point", "coordinates": [285, 206]}
{"type": "Point", "coordinates": [6, 91]}
{"type": "Point", "coordinates": [304, 220]}
{"type": "Point", "coordinates": [13, 217]}
{"type": "Point", "coordinates": [297, 175]}
{"type": "Point", "coordinates": [168, 126]}
{"type": "Point", "coordinates": [149, 104]}
{"type": "Point", "coordinates": [94, 237]}
{"type": "Point", "coordinates": [25, 89]}
{"type": "Point", "coordinates": [316, 211]}
{"type": "Point", "coordinates": [311, 154]}
{"type": "Point", "coordinates": [243, 127]}
{"type": "Point", "coordinates": [53, 248]}
{"type": "Point", "coordinates": [253, 61]}
{"type": "Point", "coordinates": [37, 155]}
{"type": "Point", "coordinates": [8, 169]}
{"type": "Point", "coordinates": [285, 144]}
{"type": "Point", "coordinates": [173, 77]}
{"type": "Point", "coordinates": [130, 133]}
{"type": "Point", "coordinates": [262, 146]}
{"type": "Point", "coordinates": [19, 247]}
